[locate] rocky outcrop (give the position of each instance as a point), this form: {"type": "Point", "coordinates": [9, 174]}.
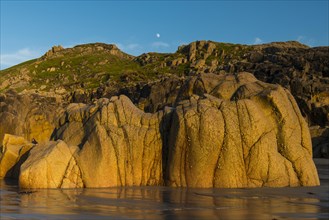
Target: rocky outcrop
{"type": "Point", "coordinates": [304, 71]}
{"type": "Point", "coordinates": [29, 115]}
{"type": "Point", "coordinates": [50, 165]}
{"type": "Point", "coordinates": [53, 51]}
{"type": "Point", "coordinates": [226, 131]}
{"type": "Point", "coordinates": [300, 69]}
{"type": "Point", "coordinates": [155, 96]}
{"type": "Point", "coordinates": [59, 51]}
{"type": "Point", "coordinates": [14, 151]}
{"type": "Point", "coordinates": [120, 145]}
{"type": "Point", "coordinates": [252, 135]}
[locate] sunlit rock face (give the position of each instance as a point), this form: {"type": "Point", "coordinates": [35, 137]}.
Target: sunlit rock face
{"type": "Point", "coordinates": [242, 133]}
{"type": "Point", "coordinates": [119, 144]}
{"type": "Point", "coordinates": [51, 165]}
{"type": "Point", "coordinates": [224, 131]}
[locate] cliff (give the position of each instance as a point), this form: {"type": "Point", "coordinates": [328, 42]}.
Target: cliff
{"type": "Point", "coordinates": [228, 131]}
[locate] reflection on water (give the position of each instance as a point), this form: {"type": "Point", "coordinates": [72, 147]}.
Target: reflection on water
{"type": "Point", "coordinates": [167, 203]}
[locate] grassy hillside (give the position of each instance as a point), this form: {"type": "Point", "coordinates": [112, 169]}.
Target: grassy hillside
{"type": "Point", "coordinates": [91, 65]}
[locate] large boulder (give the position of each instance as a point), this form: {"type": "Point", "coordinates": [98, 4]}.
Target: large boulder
{"type": "Point", "coordinates": [225, 131]}
{"type": "Point", "coordinates": [51, 165]}
{"type": "Point", "coordinates": [120, 145]}
{"type": "Point", "coordinates": [253, 135]}
{"type": "Point", "coordinates": [14, 151]}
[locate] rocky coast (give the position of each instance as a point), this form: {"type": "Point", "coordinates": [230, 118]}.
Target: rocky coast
{"type": "Point", "coordinates": [210, 115]}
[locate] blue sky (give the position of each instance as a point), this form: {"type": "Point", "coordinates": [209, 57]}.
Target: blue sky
{"type": "Point", "coordinates": [30, 28]}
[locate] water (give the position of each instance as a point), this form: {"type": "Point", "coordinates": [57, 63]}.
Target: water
{"type": "Point", "coordinates": [169, 203]}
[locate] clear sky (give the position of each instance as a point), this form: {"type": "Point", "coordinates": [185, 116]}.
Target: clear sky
{"type": "Point", "coordinates": [30, 28]}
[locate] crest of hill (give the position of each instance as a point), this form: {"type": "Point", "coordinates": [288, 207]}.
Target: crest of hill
{"type": "Point", "coordinates": [84, 49]}
{"type": "Point", "coordinates": [85, 65]}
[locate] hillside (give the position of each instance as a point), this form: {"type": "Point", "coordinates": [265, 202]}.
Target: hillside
{"type": "Point", "coordinates": [92, 65]}
{"type": "Point", "coordinates": [153, 80]}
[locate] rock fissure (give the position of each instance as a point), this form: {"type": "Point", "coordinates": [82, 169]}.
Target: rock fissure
{"type": "Point", "coordinates": [185, 151]}
{"type": "Point", "coordinates": [241, 134]}
{"type": "Point", "coordinates": [300, 122]}
{"type": "Point", "coordinates": [116, 154]}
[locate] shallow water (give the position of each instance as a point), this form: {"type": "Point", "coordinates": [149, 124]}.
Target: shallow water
{"type": "Point", "coordinates": [169, 203]}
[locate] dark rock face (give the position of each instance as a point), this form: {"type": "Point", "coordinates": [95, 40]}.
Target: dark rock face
{"type": "Point", "coordinates": [304, 71]}
{"type": "Point", "coordinates": [154, 96]}
{"type": "Point", "coordinates": [320, 141]}
{"type": "Point", "coordinates": [31, 116]}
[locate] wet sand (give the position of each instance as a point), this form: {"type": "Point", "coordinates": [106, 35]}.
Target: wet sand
{"type": "Point", "coordinates": [169, 203]}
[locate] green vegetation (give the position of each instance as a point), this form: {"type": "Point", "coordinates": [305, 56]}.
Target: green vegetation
{"type": "Point", "coordinates": [88, 67]}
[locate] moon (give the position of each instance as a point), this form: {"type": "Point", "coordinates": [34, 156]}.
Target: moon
{"type": "Point", "coordinates": [157, 35]}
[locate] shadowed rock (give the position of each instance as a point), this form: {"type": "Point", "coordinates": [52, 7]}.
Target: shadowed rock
{"type": "Point", "coordinates": [13, 153]}
{"type": "Point", "coordinates": [29, 115]}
